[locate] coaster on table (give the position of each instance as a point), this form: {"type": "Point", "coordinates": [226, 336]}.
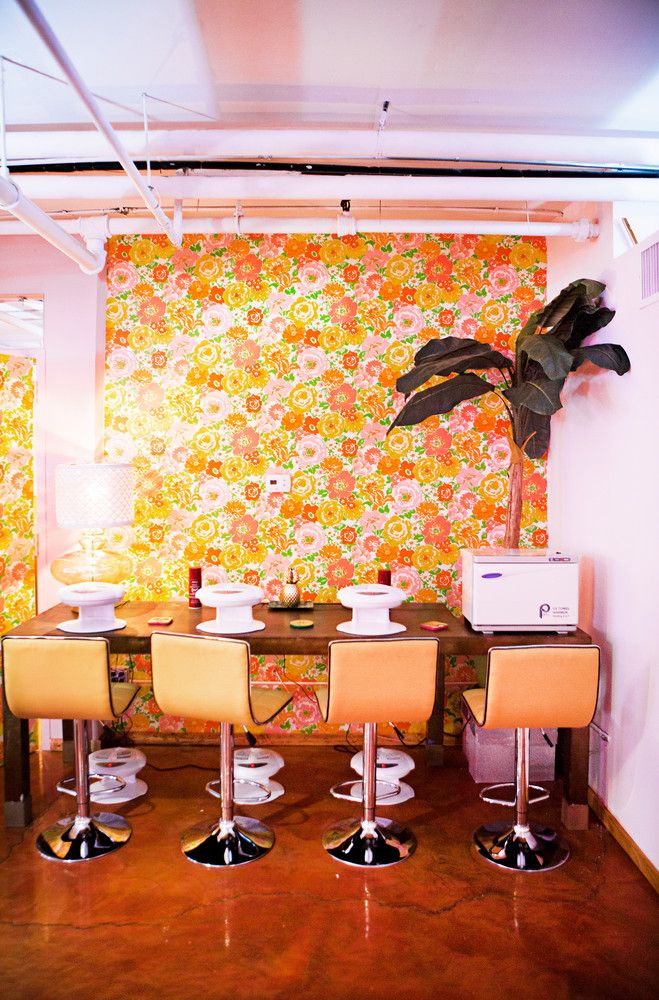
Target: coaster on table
{"type": "Point", "coordinates": [433, 626]}
{"type": "Point", "coordinates": [301, 623]}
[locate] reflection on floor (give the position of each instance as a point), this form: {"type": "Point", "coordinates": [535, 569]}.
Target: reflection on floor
{"type": "Point", "coordinates": [145, 922]}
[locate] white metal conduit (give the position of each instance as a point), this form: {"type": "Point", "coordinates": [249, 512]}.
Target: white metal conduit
{"type": "Point", "coordinates": [344, 225]}
{"type": "Point", "coordinates": [288, 187]}
{"type": "Point", "coordinates": [36, 220]}
{"type": "Point", "coordinates": [43, 29]}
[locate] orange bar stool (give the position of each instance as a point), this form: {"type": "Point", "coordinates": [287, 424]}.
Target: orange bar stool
{"type": "Point", "coordinates": [531, 687]}
{"type": "Point", "coordinates": [49, 677]}
{"type": "Point", "coordinates": [218, 689]}
{"type": "Point", "coordinates": [372, 681]}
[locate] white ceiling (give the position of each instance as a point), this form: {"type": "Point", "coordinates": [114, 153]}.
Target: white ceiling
{"type": "Point", "coordinates": [481, 82]}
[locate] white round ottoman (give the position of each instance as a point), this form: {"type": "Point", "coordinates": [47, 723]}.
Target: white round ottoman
{"type": "Point", "coordinates": [117, 762]}
{"type": "Point", "coordinates": [233, 603]}
{"type": "Point", "coordinates": [370, 603]}
{"type": "Point", "coordinates": [95, 602]}
{"type": "Point", "coordinates": [258, 764]}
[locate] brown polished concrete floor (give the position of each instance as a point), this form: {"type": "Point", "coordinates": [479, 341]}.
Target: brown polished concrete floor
{"type": "Point", "coordinates": [145, 922]}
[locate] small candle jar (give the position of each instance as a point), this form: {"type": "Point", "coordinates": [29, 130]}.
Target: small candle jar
{"type": "Point", "coordinates": [384, 577]}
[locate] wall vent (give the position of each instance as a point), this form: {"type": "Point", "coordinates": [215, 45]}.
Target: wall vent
{"type": "Point", "coordinates": [650, 271]}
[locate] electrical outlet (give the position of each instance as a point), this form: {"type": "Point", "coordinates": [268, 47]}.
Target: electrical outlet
{"type": "Point", "coordinates": [277, 482]}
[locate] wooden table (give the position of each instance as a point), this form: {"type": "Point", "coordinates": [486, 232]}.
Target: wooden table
{"type": "Point", "coordinates": [279, 638]}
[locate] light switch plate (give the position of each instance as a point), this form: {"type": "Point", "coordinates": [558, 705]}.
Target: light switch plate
{"type": "Point", "coordinates": [278, 482]}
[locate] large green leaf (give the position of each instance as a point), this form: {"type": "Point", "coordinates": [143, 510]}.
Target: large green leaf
{"type": "Point", "coordinates": [582, 291]}
{"type": "Point", "coordinates": [439, 347]}
{"type": "Point", "coordinates": [611, 356]}
{"type": "Point", "coordinates": [541, 395]}
{"type": "Point", "coordinates": [440, 399]}
{"type": "Point", "coordinates": [534, 429]}
{"type": "Point", "coordinates": [588, 320]}
{"type": "Point", "coordinates": [556, 362]}
{"type": "Point", "coordinates": [454, 363]}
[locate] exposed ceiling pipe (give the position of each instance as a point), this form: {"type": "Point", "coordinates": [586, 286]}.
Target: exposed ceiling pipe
{"type": "Point", "coordinates": [265, 185]}
{"type": "Point", "coordinates": [342, 224]}
{"type": "Point", "coordinates": [12, 200]}
{"type": "Point", "coordinates": [337, 144]}
{"type": "Point", "coordinates": [47, 35]}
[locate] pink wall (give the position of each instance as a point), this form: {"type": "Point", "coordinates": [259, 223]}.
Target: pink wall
{"type": "Point", "coordinates": [603, 492]}
{"type": "Point", "coordinates": [68, 411]}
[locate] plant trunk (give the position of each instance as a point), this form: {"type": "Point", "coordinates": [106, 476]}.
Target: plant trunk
{"type": "Point", "coordinates": [514, 512]}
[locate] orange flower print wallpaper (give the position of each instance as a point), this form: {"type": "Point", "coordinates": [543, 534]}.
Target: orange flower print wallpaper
{"type": "Point", "coordinates": [17, 545]}
{"type": "Point", "coordinates": [230, 357]}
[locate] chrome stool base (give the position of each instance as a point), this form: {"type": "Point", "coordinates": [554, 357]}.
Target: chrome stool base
{"type": "Point", "coordinates": [248, 841]}
{"type": "Point", "coordinates": [532, 849]}
{"type": "Point", "coordinates": [390, 843]}
{"type": "Point", "coordinates": [76, 839]}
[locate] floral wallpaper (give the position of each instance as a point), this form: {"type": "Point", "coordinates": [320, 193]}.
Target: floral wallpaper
{"type": "Point", "coordinates": [231, 357]}
{"type": "Point", "coordinates": [17, 545]}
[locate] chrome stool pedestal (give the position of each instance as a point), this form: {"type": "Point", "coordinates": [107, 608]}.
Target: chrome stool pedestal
{"type": "Point", "coordinates": [523, 846]}
{"type": "Point", "coordinates": [370, 841]}
{"type": "Point", "coordinates": [231, 840]}
{"type": "Point", "coordinates": [86, 835]}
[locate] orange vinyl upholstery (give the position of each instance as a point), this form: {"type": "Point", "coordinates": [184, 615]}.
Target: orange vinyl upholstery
{"type": "Point", "coordinates": [375, 680]}
{"type": "Point", "coordinates": [537, 687]}
{"type": "Point", "coordinates": [62, 678]}
{"type": "Point", "coordinates": [207, 679]}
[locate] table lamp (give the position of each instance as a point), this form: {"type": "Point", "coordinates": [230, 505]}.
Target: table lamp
{"type": "Point", "coordinates": [93, 496]}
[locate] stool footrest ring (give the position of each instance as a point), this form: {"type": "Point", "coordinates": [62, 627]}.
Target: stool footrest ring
{"type": "Point", "coordinates": [394, 789]}
{"type": "Point", "coordinates": [212, 786]}
{"type": "Point", "coordinates": [486, 797]}
{"type": "Point", "coordinates": [62, 785]}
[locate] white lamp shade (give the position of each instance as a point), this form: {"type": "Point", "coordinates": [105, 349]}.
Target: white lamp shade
{"type": "Point", "coordinates": [94, 495]}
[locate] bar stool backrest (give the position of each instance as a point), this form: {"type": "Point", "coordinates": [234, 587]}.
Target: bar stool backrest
{"type": "Point", "coordinates": [48, 677]}
{"type": "Point", "coordinates": [377, 680]}
{"type": "Point", "coordinates": [541, 686]}
{"type": "Point", "coordinates": [201, 678]}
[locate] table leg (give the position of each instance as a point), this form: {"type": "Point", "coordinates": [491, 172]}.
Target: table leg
{"type": "Point", "coordinates": [435, 724]}
{"type": "Point", "coordinates": [18, 801]}
{"type": "Point", "coordinates": [573, 748]}
{"type": "Point", "coordinates": [67, 741]}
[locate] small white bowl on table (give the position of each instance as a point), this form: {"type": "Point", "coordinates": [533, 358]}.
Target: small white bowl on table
{"type": "Point", "coordinates": [371, 603]}
{"type": "Point", "coordinates": [96, 602]}
{"type": "Point", "coordinates": [233, 603]}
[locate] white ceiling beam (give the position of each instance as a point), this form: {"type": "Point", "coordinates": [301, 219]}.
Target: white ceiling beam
{"type": "Point", "coordinates": [60, 144]}
{"type": "Point", "coordinates": [289, 187]}
{"type": "Point", "coordinates": [343, 224]}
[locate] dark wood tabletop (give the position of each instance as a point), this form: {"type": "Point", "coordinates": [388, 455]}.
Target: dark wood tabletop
{"type": "Point", "coordinates": [280, 638]}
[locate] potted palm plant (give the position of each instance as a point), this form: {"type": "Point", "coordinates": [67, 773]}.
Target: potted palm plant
{"type": "Point", "coordinates": [548, 348]}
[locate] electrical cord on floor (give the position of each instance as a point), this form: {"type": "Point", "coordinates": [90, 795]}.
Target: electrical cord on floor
{"type": "Point", "coordinates": [182, 767]}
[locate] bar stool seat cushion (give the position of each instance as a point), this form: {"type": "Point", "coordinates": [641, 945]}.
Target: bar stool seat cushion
{"type": "Point", "coordinates": [475, 698]}
{"type": "Point", "coordinates": [537, 687]}
{"type": "Point", "coordinates": [267, 702]}
{"type": "Point", "coordinates": [122, 693]}
{"type": "Point", "coordinates": [322, 697]}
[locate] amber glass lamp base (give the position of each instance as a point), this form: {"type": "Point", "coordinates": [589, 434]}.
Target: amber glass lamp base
{"type": "Point", "coordinates": [91, 562]}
